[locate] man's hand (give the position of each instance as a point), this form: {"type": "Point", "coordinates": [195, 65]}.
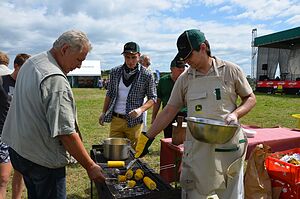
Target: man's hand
{"type": "Point", "coordinates": [101, 119]}
{"type": "Point", "coordinates": [142, 145]}
{"type": "Point", "coordinates": [95, 173]}
{"type": "Point", "coordinates": [231, 118]}
{"type": "Point", "coordinates": [135, 113]}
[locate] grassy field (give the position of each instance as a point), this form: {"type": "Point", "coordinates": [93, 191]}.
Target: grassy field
{"type": "Point", "coordinates": [270, 111]}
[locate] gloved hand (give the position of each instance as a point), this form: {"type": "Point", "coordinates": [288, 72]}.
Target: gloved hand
{"type": "Point", "coordinates": [231, 118]}
{"type": "Point", "coordinates": [135, 113]}
{"type": "Point", "coordinates": [142, 145]}
{"type": "Point", "coordinates": [101, 119]}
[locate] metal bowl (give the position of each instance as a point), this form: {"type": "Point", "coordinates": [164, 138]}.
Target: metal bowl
{"type": "Point", "coordinates": [211, 131]}
{"type": "Point", "coordinates": [116, 148]}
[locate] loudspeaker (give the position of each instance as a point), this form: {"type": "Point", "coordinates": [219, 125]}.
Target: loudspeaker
{"type": "Point", "coordinates": [264, 67]}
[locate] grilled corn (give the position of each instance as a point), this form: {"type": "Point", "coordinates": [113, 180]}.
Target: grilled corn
{"type": "Point", "coordinates": [131, 183]}
{"type": "Point", "coordinates": [139, 174]}
{"type": "Point", "coordinates": [121, 178]}
{"type": "Point", "coordinates": [129, 174]}
{"type": "Point", "coordinates": [149, 183]}
{"type": "Point", "coordinates": [115, 163]}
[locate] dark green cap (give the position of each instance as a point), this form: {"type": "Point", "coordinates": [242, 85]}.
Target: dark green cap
{"type": "Point", "coordinates": [177, 63]}
{"type": "Point", "coordinates": [131, 47]}
{"type": "Point", "coordinates": [188, 41]}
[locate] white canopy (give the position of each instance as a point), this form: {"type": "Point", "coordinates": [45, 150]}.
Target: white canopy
{"type": "Point", "coordinates": [88, 68]}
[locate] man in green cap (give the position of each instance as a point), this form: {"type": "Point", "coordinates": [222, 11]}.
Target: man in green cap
{"type": "Point", "coordinates": [209, 88]}
{"type": "Point", "coordinates": [164, 89]}
{"type": "Point", "coordinates": [124, 102]}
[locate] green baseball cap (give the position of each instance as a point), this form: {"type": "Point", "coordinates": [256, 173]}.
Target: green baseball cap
{"type": "Point", "coordinates": [131, 47]}
{"type": "Point", "coordinates": [188, 41]}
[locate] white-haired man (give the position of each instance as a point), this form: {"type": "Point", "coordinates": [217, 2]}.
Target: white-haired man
{"type": "Point", "coordinates": [43, 108]}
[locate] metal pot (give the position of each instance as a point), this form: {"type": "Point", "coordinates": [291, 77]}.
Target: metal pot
{"type": "Point", "coordinates": [116, 148]}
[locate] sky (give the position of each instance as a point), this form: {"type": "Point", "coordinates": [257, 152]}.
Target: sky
{"type": "Point", "coordinates": [30, 26]}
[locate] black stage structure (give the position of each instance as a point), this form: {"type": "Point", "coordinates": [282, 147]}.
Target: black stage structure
{"type": "Point", "coordinates": [280, 50]}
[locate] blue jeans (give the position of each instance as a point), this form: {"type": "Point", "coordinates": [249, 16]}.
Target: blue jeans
{"type": "Point", "coordinates": [40, 181]}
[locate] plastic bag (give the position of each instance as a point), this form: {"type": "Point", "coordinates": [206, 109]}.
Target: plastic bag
{"type": "Point", "coordinates": [257, 182]}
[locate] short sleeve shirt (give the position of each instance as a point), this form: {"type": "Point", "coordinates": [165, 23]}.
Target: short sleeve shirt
{"type": "Point", "coordinates": [42, 108]}
{"type": "Point", "coordinates": [232, 74]}
{"type": "Point", "coordinates": [60, 105]}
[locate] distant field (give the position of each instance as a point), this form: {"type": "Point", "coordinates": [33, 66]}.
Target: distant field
{"type": "Point", "coordinates": [270, 111]}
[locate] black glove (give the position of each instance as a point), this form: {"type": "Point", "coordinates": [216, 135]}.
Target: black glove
{"type": "Point", "coordinates": [142, 145]}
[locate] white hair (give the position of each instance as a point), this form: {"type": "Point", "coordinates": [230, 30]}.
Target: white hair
{"type": "Point", "coordinates": [143, 57]}
{"type": "Point", "coordinates": [75, 38]}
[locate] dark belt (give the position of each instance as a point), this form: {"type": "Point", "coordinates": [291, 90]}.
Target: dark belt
{"type": "Point", "coordinates": [119, 115]}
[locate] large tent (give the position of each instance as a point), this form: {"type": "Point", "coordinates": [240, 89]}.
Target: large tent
{"type": "Point", "coordinates": [280, 50]}
{"type": "Point", "coordinates": [87, 75]}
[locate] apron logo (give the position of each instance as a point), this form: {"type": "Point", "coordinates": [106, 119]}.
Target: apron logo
{"type": "Point", "coordinates": [198, 108]}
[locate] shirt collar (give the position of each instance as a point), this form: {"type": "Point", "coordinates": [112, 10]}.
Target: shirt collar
{"type": "Point", "coordinates": [219, 63]}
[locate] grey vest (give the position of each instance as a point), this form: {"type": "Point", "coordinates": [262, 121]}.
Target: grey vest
{"type": "Point", "coordinates": [27, 128]}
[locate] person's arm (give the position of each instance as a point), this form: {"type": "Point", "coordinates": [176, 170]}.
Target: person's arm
{"type": "Point", "coordinates": [162, 120]}
{"type": "Point", "coordinates": [104, 109]}
{"type": "Point", "coordinates": [246, 105]}
{"type": "Point", "coordinates": [151, 96]}
{"type": "Point", "coordinates": [74, 146]}
{"type": "Point", "coordinates": [155, 109]}
{"type": "Point", "coordinates": [138, 111]}
{"type": "Point", "coordinates": [160, 123]}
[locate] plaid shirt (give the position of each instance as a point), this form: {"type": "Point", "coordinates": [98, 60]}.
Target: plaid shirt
{"type": "Point", "coordinates": [143, 85]}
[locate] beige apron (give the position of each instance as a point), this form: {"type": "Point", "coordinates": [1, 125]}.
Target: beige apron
{"type": "Point", "coordinates": [210, 169]}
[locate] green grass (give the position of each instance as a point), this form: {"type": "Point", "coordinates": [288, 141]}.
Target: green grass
{"type": "Point", "coordinates": [273, 110]}
{"type": "Point", "coordinates": [270, 111]}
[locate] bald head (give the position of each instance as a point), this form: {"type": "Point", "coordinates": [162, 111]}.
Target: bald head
{"type": "Point", "coordinates": [145, 60]}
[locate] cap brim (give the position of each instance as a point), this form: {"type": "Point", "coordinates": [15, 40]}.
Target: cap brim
{"type": "Point", "coordinates": [131, 52]}
{"type": "Point", "coordinates": [184, 54]}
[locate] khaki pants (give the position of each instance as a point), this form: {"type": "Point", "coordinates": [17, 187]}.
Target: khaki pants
{"type": "Point", "coordinates": [119, 128]}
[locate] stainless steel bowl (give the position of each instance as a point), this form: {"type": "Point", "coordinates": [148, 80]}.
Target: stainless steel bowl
{"type": "Point", "coordinates": [210, 131]}
{"type": "Point", "coordinates": [116, 148]}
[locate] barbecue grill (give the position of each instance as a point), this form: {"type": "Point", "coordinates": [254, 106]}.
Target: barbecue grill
{"type": "Point", "coordinates": [111, 189]}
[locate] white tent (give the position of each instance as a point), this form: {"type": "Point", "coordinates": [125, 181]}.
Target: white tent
{"type": "Point", "coordinates": [88, 68]}
{"type": "Point", "coordinates": [87, 75]}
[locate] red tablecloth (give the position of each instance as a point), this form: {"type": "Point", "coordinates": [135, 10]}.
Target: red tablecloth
{"type": "Point", "coordinates": [278, 139]}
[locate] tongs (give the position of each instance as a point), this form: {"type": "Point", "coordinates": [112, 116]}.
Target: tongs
{"type": "Point", "coordinates": [130, 164]}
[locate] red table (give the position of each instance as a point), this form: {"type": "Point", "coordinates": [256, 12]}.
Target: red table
{"type": "Point", "coordinates": [278, 139]}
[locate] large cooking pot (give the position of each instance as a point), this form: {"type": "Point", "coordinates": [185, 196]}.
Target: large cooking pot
{"type": "Point", "coordinates": [116, 148]}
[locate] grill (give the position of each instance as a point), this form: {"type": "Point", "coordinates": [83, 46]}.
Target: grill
{"type": "Point", "coordinates": [111, 189]}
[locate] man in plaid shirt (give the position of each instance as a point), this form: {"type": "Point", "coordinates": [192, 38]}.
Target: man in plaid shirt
{"type": "Point", "coordinates": [124, 101]}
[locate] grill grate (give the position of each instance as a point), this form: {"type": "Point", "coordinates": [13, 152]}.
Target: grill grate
{"type": "Point", "coordinates": [111, 189]}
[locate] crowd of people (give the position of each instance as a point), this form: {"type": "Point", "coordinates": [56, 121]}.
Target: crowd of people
{"type": "Point", "coordinates": [103, 83]}
{"type": "Point", "coordinates": [38, 120]}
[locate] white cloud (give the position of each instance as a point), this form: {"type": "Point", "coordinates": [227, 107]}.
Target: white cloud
{"type": "Point", "coordinates": [295, 20]}
{"type": "Point", "coordinates": [267, 10]}
{"type": "Point", "coordinates": [227, 9]}
{"type": "Point", "coordinates": [32, 26]}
